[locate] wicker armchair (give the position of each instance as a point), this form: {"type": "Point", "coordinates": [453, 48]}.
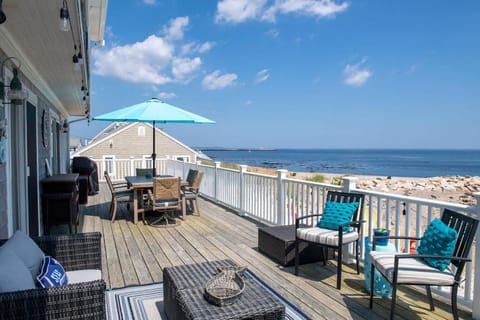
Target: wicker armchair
{"type": "Point", "coordinates": [73, 301]}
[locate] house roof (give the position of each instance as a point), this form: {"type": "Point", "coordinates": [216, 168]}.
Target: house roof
{"type": "Point", "coordinates": [116, 128]}
{"type": "Point", "coordinates": [31, 34]}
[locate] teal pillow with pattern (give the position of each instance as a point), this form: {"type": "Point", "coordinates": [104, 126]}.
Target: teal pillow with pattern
{"type": "Point", "coordinates": [336, 214]}
{"type": "Point", "coordinates": [440, 240]}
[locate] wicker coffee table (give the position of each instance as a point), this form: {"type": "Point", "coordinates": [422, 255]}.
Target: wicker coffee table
{"type": "Point", "coordinates": [183, 295]}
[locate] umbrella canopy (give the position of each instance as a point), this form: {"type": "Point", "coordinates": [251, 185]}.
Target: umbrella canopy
{"type": "Point", "coordinates": [154, 111]}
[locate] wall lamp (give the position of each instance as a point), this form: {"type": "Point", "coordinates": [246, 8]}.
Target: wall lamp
{"type": "Point", "coordinates": [64, 18]}
{"type": "Point", "coordinates": [15, 93]}
{"type": "Point", "coordinates": [3, 17]}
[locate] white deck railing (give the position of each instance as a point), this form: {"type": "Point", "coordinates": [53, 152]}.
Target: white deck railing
{"type": "Point", "coordinates": [278, 200]}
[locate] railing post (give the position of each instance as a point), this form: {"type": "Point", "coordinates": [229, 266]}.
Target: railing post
{"type": "Point", "coordinates": [282, 175]}
{"type": "Point", "coordinates": [349, 183]}
{"type": "Point", "coordinates": [217, 165]}
{"type": "Point", "coordinates": [476, 273]}
{"type": "Point", "coordinates": [132, 169]}
{"type": "Point", "coordinates": [243, 169]}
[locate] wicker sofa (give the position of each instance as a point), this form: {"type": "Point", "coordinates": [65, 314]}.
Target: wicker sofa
{"type": "Point", "coordinates": [84, 300]}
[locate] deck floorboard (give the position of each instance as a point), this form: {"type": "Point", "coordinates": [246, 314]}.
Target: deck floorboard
{"type": "Point", "coordinates": [136, 254]}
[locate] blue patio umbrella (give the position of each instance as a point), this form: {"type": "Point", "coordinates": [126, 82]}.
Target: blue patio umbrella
{"type": "Point", "coordinates": [154, 111]}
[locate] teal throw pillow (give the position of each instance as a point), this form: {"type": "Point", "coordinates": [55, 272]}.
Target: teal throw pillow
{"type": "Point", "coordinates": [440, 240]}
{"type": "Point", "coordinates": [336, 214]}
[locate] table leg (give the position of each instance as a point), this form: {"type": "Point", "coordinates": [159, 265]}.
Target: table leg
{"type": "Point", "coordinates": [135, 205]}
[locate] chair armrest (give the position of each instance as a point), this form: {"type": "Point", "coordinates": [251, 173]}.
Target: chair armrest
{"type": "Point", "coordinates": [73, 301]}
{"type": "Point", "coordinates": [297, 220]}
{"type": "Point", "coordinates": [74, 251]}
{"type": "Point", "coordinates": [121, 185]}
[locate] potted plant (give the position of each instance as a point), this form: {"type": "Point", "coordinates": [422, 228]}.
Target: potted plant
{"type": "Point", "coordinates": [381, 232]}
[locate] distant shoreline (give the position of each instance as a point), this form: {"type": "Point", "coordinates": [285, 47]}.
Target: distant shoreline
{"type": "Point", "coordinates": [236, 149]}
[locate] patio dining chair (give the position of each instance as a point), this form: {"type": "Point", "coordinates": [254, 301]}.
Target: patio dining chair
{"type": "Point", "coordinates": [440, 259]}
{"type": "Point", "coordinates": [338, 226]}
{"type": "Point", "coordinates": [165, 198]}
{"type": "Point", "coordinates": [190, 177]}
{"type": "Point", "coordinates": [144, 172]}
{"type": "Point", "coordinates": [120, 194]}
{"type": "Point", "coordinates": [190, 193]}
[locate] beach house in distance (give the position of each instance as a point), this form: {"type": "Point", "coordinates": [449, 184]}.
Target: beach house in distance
{"type": "Point", "coordinates": [133, 142]}
{"type": "Point", "coordinates": [44, 80]}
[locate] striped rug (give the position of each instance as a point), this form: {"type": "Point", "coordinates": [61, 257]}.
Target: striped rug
{"type": "Point", "coordinates": [146, 302]}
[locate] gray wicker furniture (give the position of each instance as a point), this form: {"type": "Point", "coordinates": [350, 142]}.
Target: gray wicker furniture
{"type": "Point", "coordinates": [333, 239]}
{"type": "Point", "coordinates": [410, 269]}
{"type": "Point", "coordinates": [184, 287]}
{"type": "Point", "coordinates": [278, 243]}
{"type": "Point", "coordinates": [73, 301]}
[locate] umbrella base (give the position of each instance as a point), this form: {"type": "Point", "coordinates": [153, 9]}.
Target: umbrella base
{"type": "Point", "coordinates": [165, 220]}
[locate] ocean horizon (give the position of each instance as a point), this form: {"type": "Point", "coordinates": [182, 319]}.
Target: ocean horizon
{"type": "Point", "coordinates": [382, 162]}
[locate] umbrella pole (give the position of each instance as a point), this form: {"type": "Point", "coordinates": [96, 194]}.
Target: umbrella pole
{"type": "Point", "coordinates": [154, 155]}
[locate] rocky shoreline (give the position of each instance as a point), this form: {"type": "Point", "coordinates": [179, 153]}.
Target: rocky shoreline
{"type": "Point", "coordinates": [456, 189]}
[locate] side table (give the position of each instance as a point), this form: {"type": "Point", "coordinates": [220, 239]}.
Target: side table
{"type": "Point", "coordinates": [278, 243]}
{"type": "Point", "coordinates": [381, 286]}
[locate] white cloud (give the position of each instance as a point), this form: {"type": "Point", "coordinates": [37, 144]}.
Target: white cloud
{"type": "Point", "coordinates": [216, 80]}
{"type": "Point", "coordinates": [262, 75]}
{"type": "Point", "coordinates": [176, 28]}
{"type": "Point", "coordinates": [236, 11]}
{"type": "Point", "coordinates": [318, 8]}
{"type": "Point", "coordinates": [166, 95]}
{"type": "Point", "coordinates": [356, 74]}
{"type": "Point", "coordinates": [206, 46]}
{"type": "Point", "coordinates": [193, 47]}
{"type": "Point", "coordinates": [157, 60]}
{"type": "Point", "coordinates": [150, 2]}
{"type": "Point", "coordinates": [183, 68]}
{"type": "Point", "coordinates": [141, 62]}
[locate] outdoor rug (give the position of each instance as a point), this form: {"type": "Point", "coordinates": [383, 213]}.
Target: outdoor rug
{"type": "Point", "coordinates": [146, 302]}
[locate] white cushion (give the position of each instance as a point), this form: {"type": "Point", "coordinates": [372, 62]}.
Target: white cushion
{"type": "Point", "coordinates": [84, 275]}
{"type": "Point", "coordinates": [325, 236]}
{"type": "Point", "coordinates": [14, 274]}
{"type": "Point", "coordinates": [410, 271]}
{"type": "Point", "coordinates": [27, 250]}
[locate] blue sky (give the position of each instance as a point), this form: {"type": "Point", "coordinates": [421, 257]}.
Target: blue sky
{"type": "Point", "coordinates": [297, 73]}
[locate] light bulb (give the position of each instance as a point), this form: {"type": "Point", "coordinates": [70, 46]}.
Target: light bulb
{"type": "Point", "coordinates": [64, 20]}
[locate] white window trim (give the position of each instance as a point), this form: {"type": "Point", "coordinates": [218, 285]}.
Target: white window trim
{"type": "Point", "coordinates": [186, 158]}
{"type": "Point", "coordinates": [111, 158]}
{"type": "Point", "coordinates": [144, 161]}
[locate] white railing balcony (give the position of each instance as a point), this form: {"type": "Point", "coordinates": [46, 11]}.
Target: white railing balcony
{"type": "Point", "coordinates": [279, 200]}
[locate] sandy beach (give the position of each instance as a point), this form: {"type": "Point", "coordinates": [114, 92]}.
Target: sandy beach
{"type": "Point", "coordinates": [456, 189]}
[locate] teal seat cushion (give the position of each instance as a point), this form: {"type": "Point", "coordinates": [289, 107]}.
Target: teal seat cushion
{"type": "Point", "coordinates": [336, 214]}
{"type": "Point", "coordinates": [439, 240]}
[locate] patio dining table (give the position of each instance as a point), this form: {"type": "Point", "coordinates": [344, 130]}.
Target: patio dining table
{"type": "Point", "coordinates": [138, 184]}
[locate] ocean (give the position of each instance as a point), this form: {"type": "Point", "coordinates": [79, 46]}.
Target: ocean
{"type": "Point", "coordinates": [397, 163]}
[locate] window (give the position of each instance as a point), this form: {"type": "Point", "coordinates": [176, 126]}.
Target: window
{"type": "Point", "coordinates": [147, 161]}
{"type": "Point", "coordinates": [180, 158]}
{"type": "Point", "coordinates": [109, 165]}
{"type": "Point", "coordinates": [141, 131]}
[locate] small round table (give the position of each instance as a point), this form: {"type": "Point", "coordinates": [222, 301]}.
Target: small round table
{"type": "Point", "coordinates": [381, 286]}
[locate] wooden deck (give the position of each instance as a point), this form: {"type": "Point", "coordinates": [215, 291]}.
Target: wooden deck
{"type": "Point", "coordinates": [136, 254]}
